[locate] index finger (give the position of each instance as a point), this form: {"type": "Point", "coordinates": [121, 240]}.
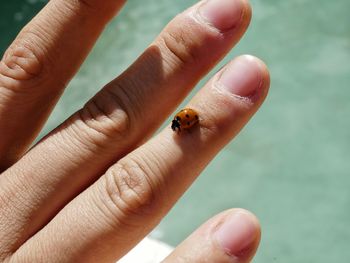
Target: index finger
{"type": "Point", "coordinates": [130, 199]}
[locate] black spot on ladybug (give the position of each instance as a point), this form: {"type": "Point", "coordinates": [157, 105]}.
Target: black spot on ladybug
{"type": "Point", "coordinates": [187, 116]}
{"type": "Point", "coordinates": [196, 117]}
{"type": "Point", "coordinates": [188, 123]}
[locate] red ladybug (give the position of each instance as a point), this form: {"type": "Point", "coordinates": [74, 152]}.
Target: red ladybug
{"type": "Point", "coordinates": [185, 119]}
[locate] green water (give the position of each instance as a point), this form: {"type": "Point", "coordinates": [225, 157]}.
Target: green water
{"type": "Point", "coordinates": [291, 165]}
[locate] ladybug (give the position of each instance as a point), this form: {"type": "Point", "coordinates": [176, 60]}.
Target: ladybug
{"type": "Point", "coordinates": [185, 119]}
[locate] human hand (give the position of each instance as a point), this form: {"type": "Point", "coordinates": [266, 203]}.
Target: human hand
{"type": "Point", "coordinates": [97, 184]}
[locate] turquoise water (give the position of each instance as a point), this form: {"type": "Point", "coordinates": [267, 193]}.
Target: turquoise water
{"type": "Point", "coordinates": [291, 164]}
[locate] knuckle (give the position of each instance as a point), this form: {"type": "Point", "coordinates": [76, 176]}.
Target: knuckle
{"type": "Point", "coordinates": [21, 62]}
{"type": "Point", "coordinates": [182, 45]}
{"type": "Point", "coordinates": [27, 64]}
{"type": "Point", "coordinates": [108, 114]}
{"type": "Point", "coordinates": [131, 191]}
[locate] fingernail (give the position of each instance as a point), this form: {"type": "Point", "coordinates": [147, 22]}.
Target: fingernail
{"type": "Point", "coordinates": [242, 76]}
{"type": "Point", "coordinates": [237, 234]}
{"type": "Point", "coordinates": [222, 14]}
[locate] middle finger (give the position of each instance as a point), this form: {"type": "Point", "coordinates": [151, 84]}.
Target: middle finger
{"type": "Point", "coordinates": [122, 115]}
{"type": "Point", "coordinates": [128, 201]}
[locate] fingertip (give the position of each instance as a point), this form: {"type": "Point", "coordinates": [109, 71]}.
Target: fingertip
{"type": "Point", "coordinates": [248, 12]}
{"type": "Point", "coordinates": [225, 15]}
{"type": "Point", "coordinates": [238, 235]}
{"type": "Point", "coordinates": [264, 72]}
{"type": "Point", "coordinates": [231, 236]}
{"type": "Point", "coordinates": [259, 65]}
{"type": "Point", "coordinates": [243, 77]}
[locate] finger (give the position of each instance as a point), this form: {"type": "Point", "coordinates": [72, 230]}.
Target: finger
{"type": "Point", "coordinates": [39, 64]}
{"type": "Point", "coordinates": [232, 236]}
{"type": "Point", "coordinates": [130, 199]}
{"type": "Point", "coordinates": [119, 118]}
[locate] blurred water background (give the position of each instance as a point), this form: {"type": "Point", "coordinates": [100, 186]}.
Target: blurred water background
{"type": "Point", "coordinates": [291, 164]}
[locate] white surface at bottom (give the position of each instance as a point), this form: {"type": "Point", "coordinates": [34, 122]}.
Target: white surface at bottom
{"type": "Point", "coordinates": [147, 251]}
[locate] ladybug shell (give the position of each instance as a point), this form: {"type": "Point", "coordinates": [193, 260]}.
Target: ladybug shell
{"type": "Point", "coordinates": [187, 118]}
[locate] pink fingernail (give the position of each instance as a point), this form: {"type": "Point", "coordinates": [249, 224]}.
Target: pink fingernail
{"type": "Point", "coordinates": [223, 14]}
{"type": "Point", "coordinates": [237, 234]}
{"type": "Point", "coordinates": [242, 76]}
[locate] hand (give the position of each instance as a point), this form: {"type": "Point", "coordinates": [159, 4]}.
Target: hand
{"type": "Point", "coordinates": [97, 184]}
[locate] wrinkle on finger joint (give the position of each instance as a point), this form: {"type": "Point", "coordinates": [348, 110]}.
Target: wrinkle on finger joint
{"type": "Point", "coordinates": [183, 44]}
{"type": "Point", "coordinates": [21, 63]}
{"type": "Point", "coordinates": [131, 191]}
{"type": "Point", "coordinates": [107, 114]}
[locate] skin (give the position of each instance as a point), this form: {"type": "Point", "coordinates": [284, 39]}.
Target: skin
{"type": "Point", "coordinates": [98, 184]}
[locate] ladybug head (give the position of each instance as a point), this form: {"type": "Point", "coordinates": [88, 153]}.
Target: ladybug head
{"type": "Point", "coordinates": [175, 125]}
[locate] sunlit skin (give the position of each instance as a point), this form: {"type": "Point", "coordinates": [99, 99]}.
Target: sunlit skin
{"type": "Point", "coordinates": [97, 184]}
